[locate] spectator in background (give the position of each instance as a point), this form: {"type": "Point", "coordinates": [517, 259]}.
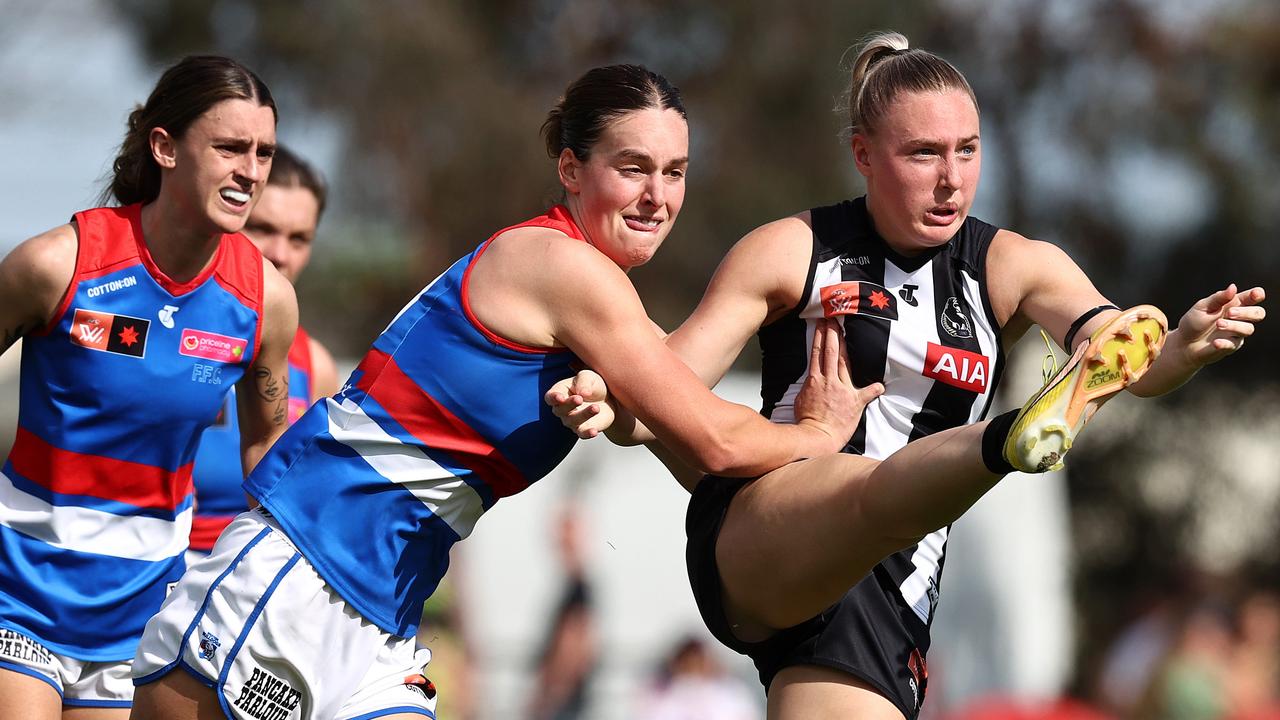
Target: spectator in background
{"type": "Point", "coordinates": [1254, 676]}
{"type": "Point", "coordinates": [1191, 684]}
{"type": "Point", "coordinates": [691, 685]}
{"type": "Point", "coordinates": [282, 225]}
{"type": "Point", "coordinates": [568, 656]}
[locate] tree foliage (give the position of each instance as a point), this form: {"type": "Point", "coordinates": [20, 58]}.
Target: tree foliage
{"type": "Point", "coordinates": [1143, 137]}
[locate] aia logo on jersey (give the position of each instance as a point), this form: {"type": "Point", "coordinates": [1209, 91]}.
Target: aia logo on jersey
{"type": "Point", "coordinates": [119, 334]}
{"type": "Point", "coordinates": [859, 298]}
{"type": "Point", "coordinates": [959, 368]}
{"type": "Point", "coordinates": [211, 346]}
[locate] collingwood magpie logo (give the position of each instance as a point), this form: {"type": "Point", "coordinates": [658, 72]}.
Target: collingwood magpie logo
{"type": "Point", "coordinates": [954, 320]}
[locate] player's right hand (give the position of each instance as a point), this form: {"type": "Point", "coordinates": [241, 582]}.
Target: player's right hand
{"type": "Point", "coordinates": [828, 398]}
{"type": "Point", "coordinates": [581, 403]}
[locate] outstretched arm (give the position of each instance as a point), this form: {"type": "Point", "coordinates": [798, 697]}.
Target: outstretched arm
{"type": "Point", "coordinates": [616, 339]}
{"type": "Point", "coordinates": [759, 280]}
{"type": "Point", "coordinates": [1041, 284]}
{"type": "Point", "coordinates": [1214, 327]}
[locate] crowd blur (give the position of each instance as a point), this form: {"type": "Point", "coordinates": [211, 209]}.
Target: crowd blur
{"type": "Point", "coordinates": [1193, 653]}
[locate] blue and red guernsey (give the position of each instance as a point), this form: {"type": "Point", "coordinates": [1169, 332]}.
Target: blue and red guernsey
{"type": "Point", "coordinates": [440, 420]}
{"type": "Point", "coordinates": [95, 497]}
{"type": "Point", "coordinates": [218, 474]}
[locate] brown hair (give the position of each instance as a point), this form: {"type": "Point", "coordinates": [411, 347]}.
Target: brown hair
{"type": "Point", "coordinates": [885, 67]}
{"type": "Point", "coordinates": [289, 170]}
{"type": "Point", "coordinates": [599, 97]}
{"type": "Point", "coordinates": [182, 94]}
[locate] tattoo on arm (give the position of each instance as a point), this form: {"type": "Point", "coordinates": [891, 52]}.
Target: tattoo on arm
{"type": "Point", "coordinates": [274, 390]}
{"type": "Point", "coordinates": [12, 336]}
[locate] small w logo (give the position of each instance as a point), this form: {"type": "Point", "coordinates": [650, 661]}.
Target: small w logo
{"type": "Point", "coordinates": [92, 334]}
{"type": "Point", "coordinates": [841, 302]}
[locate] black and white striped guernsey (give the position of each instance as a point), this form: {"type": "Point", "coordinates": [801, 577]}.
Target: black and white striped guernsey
{"type": "Point", "coordinates": [921, 325]}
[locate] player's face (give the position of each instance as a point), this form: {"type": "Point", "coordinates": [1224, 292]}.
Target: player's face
{"type": "Point", "coordinates": [627, 194]}
{"type": "Point", "coordinates": [282, 225]}
{"type": "Point", "coordinates": [922, 164]}
{"type": "Point", "coordinates": [221, 162]}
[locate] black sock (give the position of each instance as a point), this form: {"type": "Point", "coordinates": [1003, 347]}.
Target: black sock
{"type": "Point", "coordinates": [993, 439]}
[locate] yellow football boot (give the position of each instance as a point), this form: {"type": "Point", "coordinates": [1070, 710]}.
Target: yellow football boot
{"type": "Point", "coordinates": [1116, 356]}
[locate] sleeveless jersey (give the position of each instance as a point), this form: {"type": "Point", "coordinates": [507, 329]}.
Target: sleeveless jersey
{"type": "Point", "coordinates": [922, 325]}
{"type": "Point", "coordinates": [440, 419]}
{"type": "Point", "coordinates": [218, 473]}
{"type": "Point", "coordinates": [95, 497]}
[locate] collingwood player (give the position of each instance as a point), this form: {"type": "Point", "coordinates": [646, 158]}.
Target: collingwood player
{"type": "Point", "coordinates": [826, 572]}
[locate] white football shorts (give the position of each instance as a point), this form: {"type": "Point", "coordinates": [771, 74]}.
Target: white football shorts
{"type": "Point", "coordinates": [81, 683]}
{"type": "Point", "coordinates": [255, 623]}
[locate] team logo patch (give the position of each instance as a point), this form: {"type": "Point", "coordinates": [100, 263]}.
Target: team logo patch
{"type": "Point", "coordinates": [421, 685]}
{"type": "Point", "coordinates": [209, 644]}
{"type": "Point", "coordinates": [267, 697]}
{"type": "Point", "coordinates": [859, 298]}
{"type": "Point", "coordinates": [919, 675]}
{"type": "Point", "coordinates": [211, 346]}
{"type": "Point", "coordinates": [959, 368]}
{"type": "Point", "coordinates": [955, 320]}
{"type": "Point", "coordinates": [119, 334]}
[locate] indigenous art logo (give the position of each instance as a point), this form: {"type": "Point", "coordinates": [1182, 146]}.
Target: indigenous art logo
{"type": "Point", "coordinates": [959, 368]}
{"type": "Point", "coordinates": [209, 644]}
{"type": "Point", "coordinates": [954, 319]}
{"type": "Point", "coordinates": [919, 675]}
{"type": "Point", "coordinates": [421, 685]}
{"type": "Point", "coordinates": [119, 334]}
{"type": "Point", "coordinates": [211, 346]}
{"type": "Point", "coordinates": [859, 298]}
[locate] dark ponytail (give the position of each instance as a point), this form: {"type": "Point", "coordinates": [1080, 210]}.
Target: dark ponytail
{"type": "Point", "coordinates": [599, 97]}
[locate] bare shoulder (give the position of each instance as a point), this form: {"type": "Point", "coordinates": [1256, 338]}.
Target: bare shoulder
{"type": "Point", "coordinates": [35, 275]}
{"type": "Point", "coordinates": [49, 256]}
{"type": "Point", "coordinates": [770, 263]}
{"type": "Point", "coordinates": [525, 243]}
{"type": "Point", "coordinates": [1014, 253]}
{"type": "Point", "coordinates": [538, 257]}
{"type": "Point", "coordinates": [787, 237]}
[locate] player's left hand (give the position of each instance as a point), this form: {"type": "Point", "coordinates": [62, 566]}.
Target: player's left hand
{"type": "Point", "coordinates": [581, 404]}
{"type": "Point", "coordinates": [1217, 326]}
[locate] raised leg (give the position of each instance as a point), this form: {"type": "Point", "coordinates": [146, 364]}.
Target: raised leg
{"type": "Point", "coordinates": [796, 539]}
